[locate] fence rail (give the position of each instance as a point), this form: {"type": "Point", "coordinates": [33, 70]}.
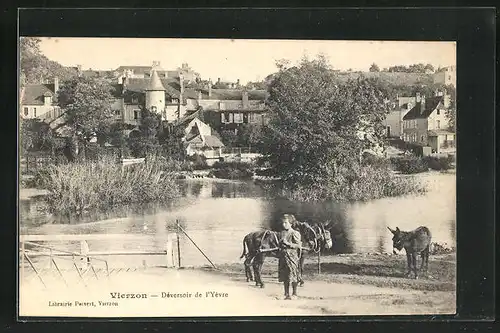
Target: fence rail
{"type": "Point", "coordinates": [89, 256]}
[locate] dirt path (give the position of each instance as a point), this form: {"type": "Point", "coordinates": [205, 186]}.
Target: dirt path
{"type": "Point", "coordinates": [235, 297]}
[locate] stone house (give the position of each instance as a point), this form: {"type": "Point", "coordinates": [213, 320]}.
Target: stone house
{"type": "Point", "coordinates": [426, 123]}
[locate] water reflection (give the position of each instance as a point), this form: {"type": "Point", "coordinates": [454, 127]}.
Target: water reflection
{"type": "Point", "coordinates": [218, 214]}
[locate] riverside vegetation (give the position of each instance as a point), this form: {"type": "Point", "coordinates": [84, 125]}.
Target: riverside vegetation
{"type": "Point", "coordinates": [76, 188]}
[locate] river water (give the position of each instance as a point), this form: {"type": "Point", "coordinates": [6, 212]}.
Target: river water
{"type": "Point", "coordinates": [217, 214]}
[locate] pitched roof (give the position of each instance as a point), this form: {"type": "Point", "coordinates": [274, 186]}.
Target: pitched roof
{"type": "Point", "coordinates": [33, 93]}
{"type": "Point", "coordinates": [416, 112]}
{"type": "Point", "coordinates": [226, 94]}
{"type": "Point", "coordinates": [155, 82]}
{"type": "Point", "coordinates": [212, 141]}
{"type": "Point", "coordinates": [170, 85]}
{"type": "Point", "coordinates": [146, 70]}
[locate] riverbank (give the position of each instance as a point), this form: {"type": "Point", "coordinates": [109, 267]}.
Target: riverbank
{"type": "Point", "coordinates": [348, 285]}
{"type": "Point", "coordinates": [375, 269]}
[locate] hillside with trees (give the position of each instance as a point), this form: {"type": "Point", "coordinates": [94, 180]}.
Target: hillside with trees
{"type": "Point", "coordinates": [36, 67]}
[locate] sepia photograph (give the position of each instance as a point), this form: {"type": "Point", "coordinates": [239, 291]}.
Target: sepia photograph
{"type": "Point", "coordinates": [183, 177]}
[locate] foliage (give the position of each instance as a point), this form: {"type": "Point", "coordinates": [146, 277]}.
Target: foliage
{"type": "Point", "coordinates": [197, 162]}
{"type": "Point", "coordinates": [439, 163]}
{"type": "Point", "coordinates": [415, 68]}
{"type": "Point", "coordinates": [36, 67]}
{"type": "Point", "coordinates": [409, 164]}
{"type": "Point", "coordinates": [249, 135]}
{"type": "Point", "coordinates": [232, 170]}
{"type": "Point", "coordinates": [315, 122]}
{"type": "Point", "coordinates": [145, 140]}
{"type": "Point", "coordinates": [412, 164]}
{"type": "Point", "coordinates": [229, 137]}
{"type": "Point", "coordinates": [36, 135]}
{"type": "Point", "coordinates": [76, 188]}
{"type": "Point", "coordinates": [374, 68]}
{"type": "Point", "coordinates": [86, 103]}
{"type": "Point", "coordinates": [363, 184]}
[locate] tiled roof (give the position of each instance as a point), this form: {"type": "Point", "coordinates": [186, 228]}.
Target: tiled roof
{"type": "Point", "coordinates": [33, 93]}
{"type": "Point", "coordinates": [227, 94]}
{"type": "Point", "coordinates": [430, 105]}
{"type": "Point", "coordinates": [172, 86]}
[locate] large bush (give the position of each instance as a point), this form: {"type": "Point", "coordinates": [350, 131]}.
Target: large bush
{"type": "Point", "coordinates": [76, 188]}
{"type": "Point", "coordinates": [409, 164]}
{"type": "Point", "coordinates": [366, 183]}
{"type": "Point", "coordinates": [413, 164]}
{"type": "Point", "coordinates": [232, 170]}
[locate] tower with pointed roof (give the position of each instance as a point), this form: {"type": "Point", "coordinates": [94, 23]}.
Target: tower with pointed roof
{"type": "Point", "coordinates": [155, 94]}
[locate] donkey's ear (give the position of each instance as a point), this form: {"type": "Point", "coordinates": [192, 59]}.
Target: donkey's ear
{"type": "Point", "coordinates": [393, 231]}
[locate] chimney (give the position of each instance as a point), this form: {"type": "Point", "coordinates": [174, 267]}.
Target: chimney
{"type": "Point", "coordinates": [56, 84]}
{"type": "Point", "coordinates": [422, 104]}
{"type": "Point", "coordinates": [181, 82]}
{"type": "Point", "coordinates": [244, 98]}
{"type": "Point", "coordinates": [210, 89]}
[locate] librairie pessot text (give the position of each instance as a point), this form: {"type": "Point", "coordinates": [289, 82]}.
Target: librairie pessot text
{"type": "Point", "coordinates": [118, 296]}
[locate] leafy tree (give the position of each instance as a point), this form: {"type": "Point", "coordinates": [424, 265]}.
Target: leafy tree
{"type": "Point", "coordinates": [35, 67]}
{"type": "Point", "coordinates": [229, 137]}
{"type": "Point", "coordinates": [429, 67]}
{"type": "Point", "coordinates": [36, 135]}
{"type": "Point", "coordinates": [374, 68]}
{"type": "Point", "coordinates": [313, 133]}
{"type": "Point", "coordinates": [149, 132]}
{"type": "Point", "coordinates": [86, 103]}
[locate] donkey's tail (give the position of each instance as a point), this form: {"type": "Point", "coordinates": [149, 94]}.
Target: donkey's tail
{"type": "Point", "coordinates": [244, 248]}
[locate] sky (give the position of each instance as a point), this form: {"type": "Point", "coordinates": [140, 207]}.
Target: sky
{"type": "Point", "coordinates": [247, 60]}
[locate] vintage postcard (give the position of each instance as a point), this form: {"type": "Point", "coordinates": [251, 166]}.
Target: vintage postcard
{"type": "Point", "coordinates": [210, 177]}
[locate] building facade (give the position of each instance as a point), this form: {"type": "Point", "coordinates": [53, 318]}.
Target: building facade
{"type": "Point", "coordinates": [427, 124]}
{"type": "Point", "coordinates": [446, 76]}
{"type": "Point", "coordinates": [39, 101]}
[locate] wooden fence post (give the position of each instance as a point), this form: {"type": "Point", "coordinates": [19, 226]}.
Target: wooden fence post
{"type": "Point", "coordinates": [169, 250]}
{"type": "Point", "coordinates": [319, 262]}
{"type": "Point", "coordinates": [178, 245]}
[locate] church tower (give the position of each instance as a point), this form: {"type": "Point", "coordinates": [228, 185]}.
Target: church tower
{"type": "Point", "coordinates": [155, 94]}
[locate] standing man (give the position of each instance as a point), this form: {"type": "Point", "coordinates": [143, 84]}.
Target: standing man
{"type": "Point", "coordinates": [290, 246]}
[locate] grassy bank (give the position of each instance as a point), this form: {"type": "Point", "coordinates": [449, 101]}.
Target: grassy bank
{"type": "Point", "coordinates": [76, 188]}
{"type": "Point", "coordinates": [380, 270]}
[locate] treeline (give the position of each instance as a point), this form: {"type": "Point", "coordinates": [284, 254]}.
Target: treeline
{"type": "Point", "coordinates": [415, 68]}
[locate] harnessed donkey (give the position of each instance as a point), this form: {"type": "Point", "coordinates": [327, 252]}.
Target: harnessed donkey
{"type": "Point", "coordinates": [414, 242]}
{"type": "Point", "coordinates": [258, 245]}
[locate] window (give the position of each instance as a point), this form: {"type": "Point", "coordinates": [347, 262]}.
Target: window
{"type": "Point", "coordinates": [136, 114]}
{"type": "Point", "coordinates": [438, 124]}
{"type": "Point", "coordinates": [222, 118]}
{"type": "Point", "coordinates": [117, 112]}
{"type": "Point", "coordinates": [26, 111]}
{"type": "Point", "coordinates": [438, 111]}
{"type": "Point", "coordinates": [153, 109]}
{"type": "Point", "coordinates": [34, 112]}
